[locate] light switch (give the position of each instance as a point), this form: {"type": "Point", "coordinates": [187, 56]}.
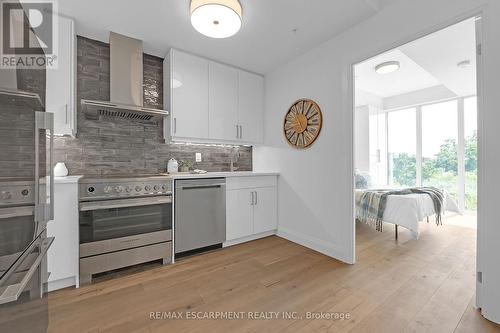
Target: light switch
{"type": "Point", "coordinates": [198, 157]}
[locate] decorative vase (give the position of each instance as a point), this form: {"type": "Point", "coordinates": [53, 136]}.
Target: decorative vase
{"type": "Point", "coordinates": [60, 170]}
{"type": "Point", "coordinates": [173, 166]}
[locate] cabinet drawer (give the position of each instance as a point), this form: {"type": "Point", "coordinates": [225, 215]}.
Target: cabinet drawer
{"type": "Point", "coordinates": [235, 183]}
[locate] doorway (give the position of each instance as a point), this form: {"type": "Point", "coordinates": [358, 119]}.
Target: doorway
{"type": "Point", "coordinates": [416, 125]}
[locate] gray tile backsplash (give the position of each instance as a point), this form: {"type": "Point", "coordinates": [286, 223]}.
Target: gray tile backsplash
{"type": "Point", "coordinates": [114, 145]}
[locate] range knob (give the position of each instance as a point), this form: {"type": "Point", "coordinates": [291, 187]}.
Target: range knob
{"type": "Point", "coordinates": [156, 187]}
{"type": "Point", "coordinates": [147, 188]}
{"type": "Point", "coordinates": [107, 189]}
{"type": "Point", "coordinates": [4, 195]}
{"type": "Point", "coordinates": [119, 189]}
{"type": "Point", "coordinates": [138, 188]}
{"type": "Point", "coordinates": [129, 189]}
{"type": "Point", "coordinates": [164, 187]}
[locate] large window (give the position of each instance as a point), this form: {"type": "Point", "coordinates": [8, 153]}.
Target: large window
{"type": "Point", "coordinates": [401, 144]}
{"type": "Point", "coordinates": [470, 153]}
{"type": "Point", "coordinates": [439, 146]}
{"type": "Point", "coordinates": [428, 145]}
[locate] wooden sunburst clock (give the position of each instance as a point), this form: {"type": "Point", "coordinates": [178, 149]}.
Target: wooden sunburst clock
{"type": "Point", "coordinates": [302, 123]}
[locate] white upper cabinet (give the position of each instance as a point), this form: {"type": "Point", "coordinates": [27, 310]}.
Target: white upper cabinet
{"type": "Point", "coordinates": [61, 87]}
{"type": "Point", "coordinates": [223, 102]}
{"type": "Point", "coordinates": [211, 102]}
{"type": "Point", "coordinates": [251, 107]}
{"type": "Point", "coordinates": [189, 96]}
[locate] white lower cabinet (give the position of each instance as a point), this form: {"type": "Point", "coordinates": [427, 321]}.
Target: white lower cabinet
{"type": "Point", "coordinates": [251, 212]}
{"type": "Point", "coordinates": [265, 210]}
{"type": "Point", "coordinates": [239, 214]}
{"type": "Point", "coordinates": [63, 255]}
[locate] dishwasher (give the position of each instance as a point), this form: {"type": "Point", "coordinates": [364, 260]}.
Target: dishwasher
{"type": "Point", "coordinates": [200, 214]}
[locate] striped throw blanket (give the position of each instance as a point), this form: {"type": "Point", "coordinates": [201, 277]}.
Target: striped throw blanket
{"type": "Point", "coordinates": [371, 204]}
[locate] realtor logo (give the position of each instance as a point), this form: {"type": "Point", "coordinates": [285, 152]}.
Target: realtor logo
{"type": "Point", "coordinates": [28, 32]}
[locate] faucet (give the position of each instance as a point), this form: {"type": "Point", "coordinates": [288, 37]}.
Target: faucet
{"type": "Point", "coordinates": [234, 155]}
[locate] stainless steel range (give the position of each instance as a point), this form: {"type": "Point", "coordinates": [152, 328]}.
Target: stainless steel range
{"type": "Point", "coordinates": [124, 221]}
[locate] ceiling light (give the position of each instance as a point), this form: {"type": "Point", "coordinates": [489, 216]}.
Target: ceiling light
{"type": "Point", "coordinates": [216, 18]}
{"type": "Point", "coordinates": [464, 64]}
{"type": "Point", "coordinates": [387, 67]}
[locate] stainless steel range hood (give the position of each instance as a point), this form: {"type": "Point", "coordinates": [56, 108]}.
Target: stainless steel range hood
{"type": "Point", "coordinates": [126, 83]}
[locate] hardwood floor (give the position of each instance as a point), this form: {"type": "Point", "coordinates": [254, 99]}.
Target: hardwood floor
{"type": "Point", "coordinates": [404, 286]}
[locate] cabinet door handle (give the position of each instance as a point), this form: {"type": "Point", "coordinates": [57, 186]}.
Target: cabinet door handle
{"type": "Point", "coordinates": [237, 132]}
{"type": "Point", "coordinates": [175, 125]}
{"type": "Point", "coordinates": [66, 112]}
{"type": "Point", "coordinates": [256, 198]}
{"type": "Point", "coordinates": [241, 132]}
{"type": "Point", "coordinates": [253, 199]}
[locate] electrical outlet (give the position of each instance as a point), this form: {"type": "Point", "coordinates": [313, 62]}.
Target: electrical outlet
{"type": "Point", "coordinates": [198, 157]}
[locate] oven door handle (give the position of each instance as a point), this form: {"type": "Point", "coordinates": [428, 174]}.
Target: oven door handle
{"type": "Point", "coordinates": [12, 292]}
{"type": "Point", "coordinates": [123, 203]}
{"type": "Point", "coordinates": [10, 212]}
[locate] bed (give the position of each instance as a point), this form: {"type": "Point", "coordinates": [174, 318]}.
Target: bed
{"type": "Point", "coordinates": [408, 210]}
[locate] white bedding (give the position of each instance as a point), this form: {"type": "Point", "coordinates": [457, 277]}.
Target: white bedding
{"type": "Point", "coordinates": [408, 210]}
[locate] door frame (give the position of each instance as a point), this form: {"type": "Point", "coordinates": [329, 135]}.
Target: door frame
{"type": "Point", "coordinates": [349, 104]}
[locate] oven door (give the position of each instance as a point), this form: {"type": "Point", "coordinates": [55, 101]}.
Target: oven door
{"type": "Point", "coordinates": [23, 290]}
{"type": "Point", "coordinates": [109, 219]}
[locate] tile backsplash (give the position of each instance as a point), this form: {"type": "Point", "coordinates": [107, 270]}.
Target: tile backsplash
{"type": "Point", "coordinates": [115, 145]}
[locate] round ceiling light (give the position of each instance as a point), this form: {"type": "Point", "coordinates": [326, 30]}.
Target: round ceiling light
{"type": "Point", "coordinates": [387, 67]}
{"type": "Point", "coordinates": [216, 18]}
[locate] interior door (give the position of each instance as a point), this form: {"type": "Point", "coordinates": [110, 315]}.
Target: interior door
{"type": "Point", "coordinates": [265, 214]}
{"type": "Point", "coordinates": [251, 107]}
{"type": "Point", "coordinates": [223, 102]}
{"type": "Point", "coordinates": [239, 214]}
{"type": "Point", "coordinates": [189, 96]}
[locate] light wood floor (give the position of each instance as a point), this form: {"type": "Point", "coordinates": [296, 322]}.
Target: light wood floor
{"type": "Point", "coordinates": [424, 285]}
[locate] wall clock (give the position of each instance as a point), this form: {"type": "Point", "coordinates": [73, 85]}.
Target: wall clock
{"type": "Point", "coordinates": [302, 123]}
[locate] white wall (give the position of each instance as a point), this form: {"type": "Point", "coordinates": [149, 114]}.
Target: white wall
{"type": "Point", "coordinates": [362, 138]}
{"type": "Point", "coordinates": [315, 187]}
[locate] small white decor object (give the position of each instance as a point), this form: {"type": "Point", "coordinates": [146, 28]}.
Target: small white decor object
{"type": "Point", "coordinates": [173, 166]}
{"type": "Point", "coordinates": [60, 170]}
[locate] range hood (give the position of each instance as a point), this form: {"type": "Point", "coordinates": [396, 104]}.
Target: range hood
{"type": "Point", "coordinates": [126, 83]}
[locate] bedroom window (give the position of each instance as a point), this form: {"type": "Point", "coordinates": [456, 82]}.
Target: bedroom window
{"type": "Point", "coordinates": [402, 148]}
{"type": "Point", "coordinates": [439, 146]}
{"type": "Point", "coordinates": [433, 144]}
{"type": "Point", "coordinates": [470, 153]}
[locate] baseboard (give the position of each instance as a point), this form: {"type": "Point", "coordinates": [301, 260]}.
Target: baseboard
{"type": "Point", "coordinates": [313, 243]}
{"type": "Point", "coordinates": [249, 238]}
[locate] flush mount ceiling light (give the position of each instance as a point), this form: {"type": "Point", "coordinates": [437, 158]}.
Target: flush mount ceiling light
{"type": "Point", "coordinates": [387, 67]}
{"type": "Point", "coordinates": [216, 18]}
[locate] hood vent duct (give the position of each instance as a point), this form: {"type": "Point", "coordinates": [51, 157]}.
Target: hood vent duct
{"type": "Point", "coordinates": [126, 83]}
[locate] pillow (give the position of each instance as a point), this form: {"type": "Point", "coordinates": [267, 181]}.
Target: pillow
{"type": "Point", "coordinates": [363, 180]}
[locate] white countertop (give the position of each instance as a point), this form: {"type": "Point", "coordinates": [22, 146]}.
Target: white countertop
{"type": "Point", "coordinates": [67, 180]}
{"type": "Point", "coordinates": [182, 175]}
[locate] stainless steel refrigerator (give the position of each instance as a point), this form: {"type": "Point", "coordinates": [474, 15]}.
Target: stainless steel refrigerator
{"type": "Point", "coordinates": [26, 199]}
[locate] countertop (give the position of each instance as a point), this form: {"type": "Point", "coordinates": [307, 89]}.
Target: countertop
{"type": "Point", "coordinates": [187, 175]}
{"type": "Point", "coordinates": [67, 180]}
{"type": "Point", "coordinates": [183, 175]}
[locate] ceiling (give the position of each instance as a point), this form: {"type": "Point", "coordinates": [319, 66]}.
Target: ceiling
{"type": "Point", "coordinates": [266, 40]}
{"type": "Point", "coordinates": [428, 62]}
{"type": "Point", "coordinates": [410, 76]}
